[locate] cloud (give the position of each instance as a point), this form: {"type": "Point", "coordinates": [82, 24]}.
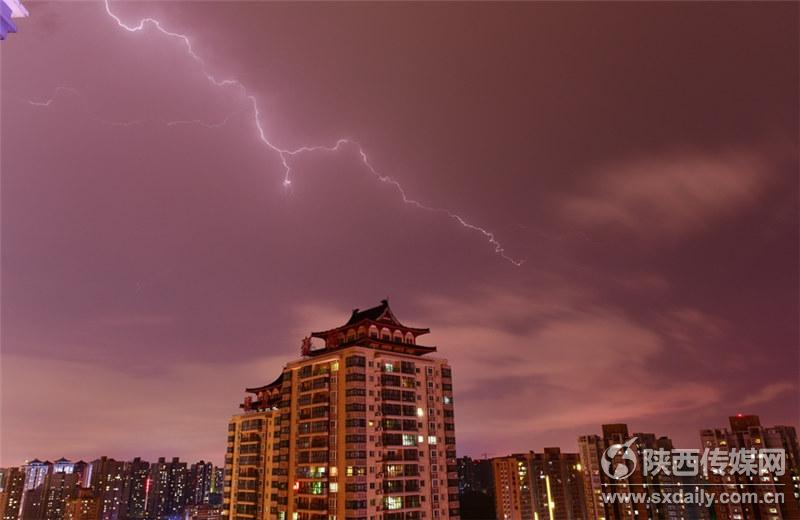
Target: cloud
{"type": "Point", "coordinates": [182, 410]}
{"type": "Point", "coordinates": [673, 195]}
{"type": "Point", "coordinates": [769, 393]}
{"type": "Point", "coordinates": [585, 364]}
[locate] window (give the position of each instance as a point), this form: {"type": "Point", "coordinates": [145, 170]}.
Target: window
{"type": "Point", "coordinates": [356, 361]}
{"type": "Point", "coordinates": [432, 439]}
{"type": "Point", "coordinates": [392, 503]}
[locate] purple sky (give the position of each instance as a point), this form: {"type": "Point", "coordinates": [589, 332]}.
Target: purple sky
{"type": "Point", "coordinates": [642, 158]}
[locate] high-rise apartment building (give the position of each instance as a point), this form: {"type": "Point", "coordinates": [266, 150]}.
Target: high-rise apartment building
{"type": "Point", "coordinates": [534, 486]}
{"type": "Point", "coordinates": [512, 487]}
{"type": "Point", "coordinates": [59, 486]}
{"type": "Point", "coordinates": [12, 485]}
{"type": "Point", "coordinates": [137, 478]}
{"type": "Point", "coordinates": [108, 485]}
{"type": "Point", "coordinates": [167, 493]}
{"type": "Point", "coordinates": [597, 483]}
{"type": "Point", "coordinates": [475, 475]}
{"type": "Point", "coordinates": [251, 480]}
{"type": "Point", "coordinates": [360, 428]}
{"type": "Point", "coordinates": [747, 433]}
{"type": "Point", "coordinates": [35, 473]}
{"type": "Point", "coordinates": [84, 506]}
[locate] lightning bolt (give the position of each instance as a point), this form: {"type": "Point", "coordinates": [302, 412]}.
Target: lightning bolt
{"type": "Point", "coordinates": [285, 154]}
{"type": "Point", "coordinates": [45, 103]}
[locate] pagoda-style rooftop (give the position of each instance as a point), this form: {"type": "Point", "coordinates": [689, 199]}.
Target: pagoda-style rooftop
{"type": "Point", "coordinates": [376, 327]}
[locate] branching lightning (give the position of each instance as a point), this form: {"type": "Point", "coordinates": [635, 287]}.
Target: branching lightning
{"type": "Point", "coordinates": [284, 154]}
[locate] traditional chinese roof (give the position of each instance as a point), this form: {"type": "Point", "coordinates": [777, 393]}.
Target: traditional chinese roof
{"type": "Point", "coordinates": [259, 389]}
{"type": "Point", "coordinates": [380, 315]}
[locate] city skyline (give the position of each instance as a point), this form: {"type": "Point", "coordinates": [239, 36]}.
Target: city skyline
{"type": "Point", "coordinates": [641, 158]}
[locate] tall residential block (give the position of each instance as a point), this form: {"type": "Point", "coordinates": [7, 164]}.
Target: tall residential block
{"type": "Point", "coordinates": [361, 427]}
{"type": "Point", "coordinates": [597, 483]}
{"type": "Point", "coordinates": [12, 485]}
{"type": "Point", "coordinates": [534, 486]}
{"type": "Point", "coordinates": [84, 506]}
{"type": "Point", "coordinates": [168, 489]}
{"type": "Point", "coordinates": [746, 432]}
{"type": "Point", "coordinates": [108, 485]}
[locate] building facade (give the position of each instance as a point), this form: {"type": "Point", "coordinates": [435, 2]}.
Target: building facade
{"type": "Point", "coordinates": [12, 485]}
{"type": "Point", "coordinates": [167, 492]}
{"type": "Point", "coordinates": [746, 432]}
{"type": "Point", "coordinates": [84, 506]}
{"type": "Point", "coordinates": [596, 482]}
{"type": "Point", "coordinates": [108, 481]}
{"type": "Point", "coordinates": [362, 428]}
{"type": "Point", "coordinates": [534, 486]}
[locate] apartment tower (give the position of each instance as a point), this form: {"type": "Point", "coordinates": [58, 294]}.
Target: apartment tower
{"type": "Point", "coordinates": [747, 433]}
{"type": "Point", "coordinates": [361, 427]}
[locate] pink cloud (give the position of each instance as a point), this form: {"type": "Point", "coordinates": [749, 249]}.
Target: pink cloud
{"type": "Point", "coordinates": [673, 195]}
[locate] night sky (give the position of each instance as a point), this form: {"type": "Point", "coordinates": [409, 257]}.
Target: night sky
{"type": "Point", "coordinates": [641, 157]}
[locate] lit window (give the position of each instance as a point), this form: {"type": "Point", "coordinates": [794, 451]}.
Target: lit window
{"type": "Point", "coordinates": [334, 487]}
{"type": "Point", "coordinates": [420, 412]}
{"type": "Point", "coordinates": [420, 439]}
{"type": "Point", "coordinates": [392, 503]}
{"type": "Point", "coordinates": [432, 439]}
{"type": "Point", "coordinates": [349, 471]}
{"type": "Point", "coordinates": [409, 440]}
{"type": "Point", "coordinates": [334, 471]}
{"type": "Point", "coordinates": [334, 366]}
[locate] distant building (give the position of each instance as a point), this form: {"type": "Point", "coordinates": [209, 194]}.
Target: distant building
{"type": "Point", "coordinates": [557, 485]}
{"type": "Point", "coordinates": [108, 486]}
{"type": "Point", "coordinates": [216, 494]}
{"type": "Point", "coordinates": [137, 485]}
{"type": "Point", "coordinates": [35, 471]}
{"type": "Point", "coordinates": [475, 475]}
{"type": "Point", "coordinates": [59, 486]}
{"type": "Point", "coordinates": [533, 486]}
{"type": "Point", "coordinates": [596, 482]}
{"type": "Point", "coordinates": [746, 433]}
{"type": "Point", "coordinates": [168, 489]}
{"type": "Point", "coordinates": [476, 488]}
{"type": "Point", "coordinates": [12, 485]}
{"type": "Point", "coordinates": [363, 428]}
{"type": "Point", "coordinates": [201, 475]}
{"type": "Point", "coordinates": [84, 506]}
{"type": "Point", "coordinates": [513, 491]}
{"type": "Point", "coordinates": [63, 465]}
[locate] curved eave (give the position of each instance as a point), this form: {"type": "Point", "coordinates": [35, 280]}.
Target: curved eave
{"type": "Point", "coordinates": [258, 389]}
